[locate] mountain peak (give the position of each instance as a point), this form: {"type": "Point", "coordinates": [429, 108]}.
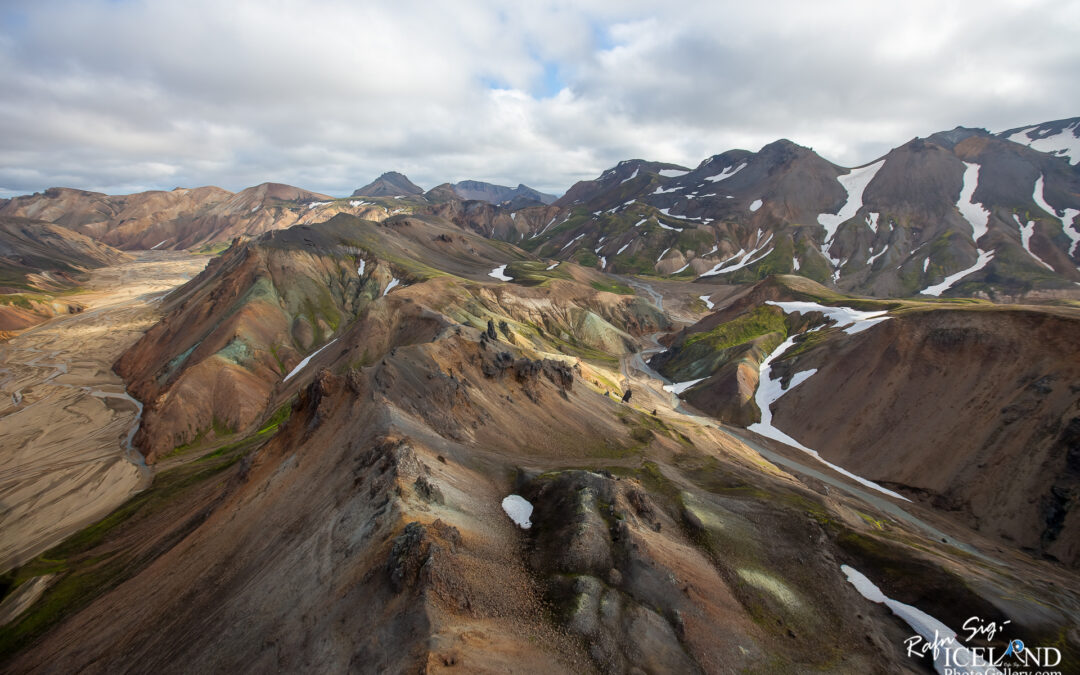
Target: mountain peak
{"type": "Point", "coordinates": [497, 194]}
{"type": "Point", "coordinates": [390, 184]}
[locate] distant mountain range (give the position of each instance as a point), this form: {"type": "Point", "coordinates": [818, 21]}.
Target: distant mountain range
{"type": "Point", "coordinates": [961, 212]}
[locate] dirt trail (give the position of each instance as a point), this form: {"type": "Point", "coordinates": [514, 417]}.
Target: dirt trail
{"type": "Point", "coordinates": [66, 421]}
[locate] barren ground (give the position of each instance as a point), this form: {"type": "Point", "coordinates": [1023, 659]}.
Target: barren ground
{"type": "Point", "coordinates": [65, 419]}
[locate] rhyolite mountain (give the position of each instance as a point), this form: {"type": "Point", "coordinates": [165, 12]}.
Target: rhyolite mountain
{"type": "Point", "coordinates": [962, 212]}
{"type": "Point", "coordinates": [177, 219]}
{"type": "Point", "coordinates": [39, 262]}
{"type": "Point", "coordinates": [336, 412]}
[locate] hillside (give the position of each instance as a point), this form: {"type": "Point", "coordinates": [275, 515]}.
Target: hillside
{"type": "Point", "coordinates": [40, 264]}
{"type": "Point", "coordinates": [965, 406]}
{"type": "Point", "coordinates": [385, 398]}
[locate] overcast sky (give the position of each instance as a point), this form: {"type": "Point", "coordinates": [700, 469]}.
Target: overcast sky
{"type": "Point", "coordinates": [126, 95]}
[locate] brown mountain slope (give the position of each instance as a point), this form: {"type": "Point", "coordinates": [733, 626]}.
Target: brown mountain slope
{"type": "Point", "coordinates": [975, 411]}
{"type": "Point", "coordinates": [181, 218]}
{"type": "Point", "coordinates": [232, 334]}
{"type": "Point", "coordinates": [971, 407]}
{"type": "Point", "coordinates": [367, 536]}
{"type": "Point", "coordinates": [39, 260]}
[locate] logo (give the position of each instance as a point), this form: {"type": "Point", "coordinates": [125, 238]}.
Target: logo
{"type": "Point", "coordinates": [953, 657]}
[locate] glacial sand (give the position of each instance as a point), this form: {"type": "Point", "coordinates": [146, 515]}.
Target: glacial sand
{"type": "Point", "coordinates": [65, 419]}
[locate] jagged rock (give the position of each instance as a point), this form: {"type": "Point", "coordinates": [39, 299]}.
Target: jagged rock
{"type": "Point", "coordinates": [428, 490]}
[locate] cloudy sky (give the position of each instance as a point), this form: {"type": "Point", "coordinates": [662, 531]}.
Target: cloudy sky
{"type": "Point", "coordinates": [126, 95]}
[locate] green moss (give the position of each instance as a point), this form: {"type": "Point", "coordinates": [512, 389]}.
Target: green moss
{"type": "Point", "coordinates": [277, 419]}
{"type": "Point", "coordinates": [808, 341]}
{"type": "Point", "coordinates": [535, 273]}
{"type": "Point", "coordinates": [211, 249]}
{"type": "Point", "coordinates": [612, 287]}
{"type": "Point", "coordinates": [16, 300]}
{"type": "Point", "coordinates": [85, 570]}
{"type": "Point", "coordinates": [586, 258]}
{"type": "Point", "coordinates": [762, 320]}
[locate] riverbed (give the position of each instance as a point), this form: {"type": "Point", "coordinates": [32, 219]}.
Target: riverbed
{"type": "Point", "coordinates": [66, 421]}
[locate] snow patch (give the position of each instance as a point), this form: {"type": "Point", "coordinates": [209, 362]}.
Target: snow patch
{"type": "Point", "coordinates": [313, 205]}
{"type": "Point", "coordinates": [974, 213]}
{"type": "Point", "coordinates": [622, 248]}
{"type": "Point", "coordinates": [500, 273]}
{"type": "Point", "coordinates": [662, 191]}
{"type": "Point", "coordinates": [1026, 232]}
{"type": "Point", "coordinates": [947, 283]}
{"type": "Point", "coordinates": [768, 391]}
{"type": "Point", "coordinates": [708, 303]}
{"type": "Point", "coordinates": [1066, 220]}
{"type": "Point", "coordinates": [571, 241]}
{"type": "Point", "coordinates": [632, 176]}
{"type": "Point", "coordinates": [871, 221]}
{"type": "Point", "coordinates": [795, 264]}
{"type": "Point", "coordinates": [360, 202]}
{"type": "Point", "coordinates": [1062, 144]}
{"type": "Point", "coordinates": [747, 259]}
{"type": "Point", "coordinates": [393, 282]}
{"type": "Point", "coordinates": [360, 270]}
{"type": "Point", "coordinates": [925, 264]}
{"type": "Point", "coordinates": [638, 223]}
{"type": "Point", "coordinates": [519, 509]}
{"type": "Point", "coordinates": [155, 246]}
{"type": "Point", "coordinates": [300, 366]}
{"type": "Point", "coordinates": [663, 254]}
{"type": "Point", "coordinates": [679, 387]}
{"type": "Point", "coordinates": [603, 262]}
{"type": "Point", "coordinates": [726, 173]}
{"type": "Point", "coordinates": [755, 205]}
{"type": "Point", "coordinates": [551, 267]}
{"type": "Point", "coordinates": [672, 173]}
{"type": "Point", "coordinates": [950, 651]}
{"type": "Point", "coordinates": [681, 269]}
{"type": "Point", "coordinates": [851, 320]}
{"type": "Point", "coordinates": [871, 259]}
{"type": "Point", "coordinates": [854, 183]}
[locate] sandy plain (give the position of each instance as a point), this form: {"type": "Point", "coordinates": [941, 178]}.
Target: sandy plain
{"type": "Point", "coordinates": [66, 421]}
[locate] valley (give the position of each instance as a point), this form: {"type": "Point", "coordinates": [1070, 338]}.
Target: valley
{"type": "Point", "coordinates": [66, 421]}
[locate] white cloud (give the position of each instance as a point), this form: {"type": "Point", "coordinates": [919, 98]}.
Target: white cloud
{"type": "Point", "coordinates": [328, 94]}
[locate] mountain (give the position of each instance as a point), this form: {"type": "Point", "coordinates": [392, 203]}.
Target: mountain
{"type": "Point", "coordinates": [862, 383]}
{"type": "Point", "coordinates": [410, 443]}
{"type": "Point", "coordinates": [390, 184]}
{"type": "Point", "coordinates": [1060, 138]}
{"type": "Point", "coordinates": [350, 419]}
{"type": "Point", "coordinates": [39, 262]}
{"type": "Point", "coordinates": [39, 256]}
{"type": "Point", "coordinates": [178, 219]}
{"type": "Point", "coordinates": [962, 212]}
{"type": "Point", "coordinates": [497, 194]}
{"type": "Point", "coordinates": [220, 352]}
